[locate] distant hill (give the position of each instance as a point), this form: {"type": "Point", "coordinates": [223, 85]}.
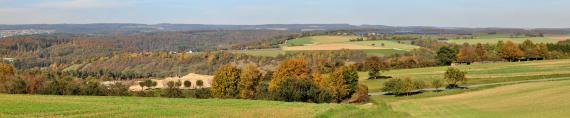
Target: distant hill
{"type": "Point", "coordinates": [101, 28]}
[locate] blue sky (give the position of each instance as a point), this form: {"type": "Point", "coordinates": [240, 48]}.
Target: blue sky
{"type": "Point", "coordinates": [445, 13]}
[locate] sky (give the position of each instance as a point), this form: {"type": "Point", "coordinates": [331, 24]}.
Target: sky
{"type": "Point", "coordinates": [442, 13]}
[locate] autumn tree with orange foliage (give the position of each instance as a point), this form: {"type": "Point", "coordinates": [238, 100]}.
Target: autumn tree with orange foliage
{"type": "Point", "coordinates": [250, 78]}
{"type": "Point", "coordinates": [292, 68]}
{"type": "Point", "coordinates": [6, 72]}
{"type": "Point", "coordinates": [467, 54]}
{"type": "Point", "coordinates": [510, 51]}
{"type": "Point", "coordinates": [481, 52]}
{"type": "Point", "coordinates": [341, 83]}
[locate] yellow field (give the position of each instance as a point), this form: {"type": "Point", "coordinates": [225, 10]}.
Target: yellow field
{"type": "Point", "coordinates": [530, 100]}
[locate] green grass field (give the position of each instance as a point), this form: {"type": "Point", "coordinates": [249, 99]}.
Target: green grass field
{"type": "Point", "coordinates": [495, 40]}
{"type": "Point", "coordinates": [482, 73]}
{"type": "Point", "coordinates": [105, 106]}
{"type": "Point", "coordinates": [529, 100]}
{"type": "Point", "coordinates": [300, 41]}
{"type": "Point", "coordinates": [320, 40]}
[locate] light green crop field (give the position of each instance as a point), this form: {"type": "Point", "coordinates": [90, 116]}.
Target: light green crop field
{"type": "Point", "coordinates": [19, 106]}
{"type": "Point", "coordinates": [331, 39]}
{"type": "Point", "coordinates": [320, 40]}
{"type": "Point", "coordinates": [300, 41]}
{"type": "Point", "coordinates": [481, 73]}
{"type": "Point", "coordinates": [529, 100]}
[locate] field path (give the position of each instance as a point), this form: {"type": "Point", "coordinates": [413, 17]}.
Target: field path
{"type": "Point", "coordinates": [489, 84]}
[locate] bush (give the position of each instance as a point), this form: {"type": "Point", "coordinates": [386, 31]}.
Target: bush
{"type": "Point", "coordinates": [17, 86]}
{"type": "Point", "coordinates": [300, 90]}
{"type": "Point", "coordinates": [147, 83]}
{"type": "Point", "coordinates": [203, 93]}
{"type": "Point", "coordinates": [117, 89]}
{"type": "Point", "coordinates": [437, 83]}
{"type": "Point", "coordinates": [199, 83]}
{"type": "Point", "coordinates": [92, 87]}
{"type": "Point", "coordinates": [187, 84]}
{"type": "Point", "coordinates": [419, 84]}
{"type": "Point", "coordinates": [319, 95]}
{"type": "Point", "coordinates": [262, 91]}
{"type": "Point", "coordinates": [361, 95]}
{"type": "Point", "coordinates": [173, 90]}
{"type": "Point", "coordinates": [454, 76]}
{"type": "Point", "coordinates": [399, 86]}
{"type": "Point", "coordinates": [63, 86]}
{"type": "Point", "coordinates": [148, 93]}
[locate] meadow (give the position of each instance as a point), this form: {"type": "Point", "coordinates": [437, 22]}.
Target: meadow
{"type": "Point", "coordinates": [529, 100]}
{"type": "Point", "coordinates": [494, 38]}
{"type": "Point", "coordinates": [481, 73]}
{"type": "Point", "coordinates": [106, 106]}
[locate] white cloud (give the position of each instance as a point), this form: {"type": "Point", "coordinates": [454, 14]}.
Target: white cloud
{"type": "Point", "coordinates": [83, 4]}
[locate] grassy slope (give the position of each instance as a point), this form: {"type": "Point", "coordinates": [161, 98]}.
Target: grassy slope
{"type": "Point", "coordinates": [95, 106]}
{"type": "Point", "coordinates": [532, 100]}
{"type": "Point", "coordinates": [482, 73]}
{"type": "Point", "coordinates": [495, 40]}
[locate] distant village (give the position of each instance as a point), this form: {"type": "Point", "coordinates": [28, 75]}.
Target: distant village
{"type": "Point", "coordinates": [9, 33]}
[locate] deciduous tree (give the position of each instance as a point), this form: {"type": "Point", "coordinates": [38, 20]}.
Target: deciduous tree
{"type": "Point", "coordinates": [454, 76]}
{"type": "Point", "coordinates": [225, 83]}
{"type": "Point", "coordinates": [510, 51]}
{"type": "Point", "coordinates": [292, 68]}
{"type": "Point", "coordinates": [446, 55]}
{"type": "Point", "coordinates": [249, 80]}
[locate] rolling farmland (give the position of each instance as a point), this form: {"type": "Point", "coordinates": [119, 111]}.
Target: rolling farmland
{"type": "Point", "coordinates": [529, 100]}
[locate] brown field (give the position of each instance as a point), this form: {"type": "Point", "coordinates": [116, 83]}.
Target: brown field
{"type": "Point", "coordinates": [335, 46]}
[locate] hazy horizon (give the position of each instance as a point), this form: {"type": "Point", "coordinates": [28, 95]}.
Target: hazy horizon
{"type": "Point", "coordinates": [443, 13]}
